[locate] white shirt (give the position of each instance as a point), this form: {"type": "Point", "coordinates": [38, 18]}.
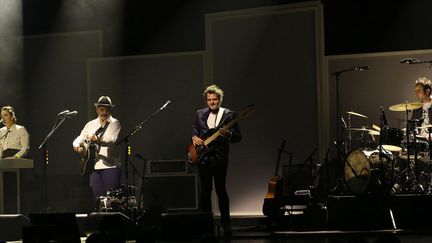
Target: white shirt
{"type": "Point", "coordinates": [109, 152]}
{"type": "Point", "coordinates": [213, 120]}
{"type": "Point", "coordinates": [16, 137]}
{"type": "Point", "coordinates": [425, 116]}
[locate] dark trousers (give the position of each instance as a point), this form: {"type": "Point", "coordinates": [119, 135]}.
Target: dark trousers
{"type": "Point", "coordinates": [218, 172]}
{"type": "Point", "coordinates": [103, 180]}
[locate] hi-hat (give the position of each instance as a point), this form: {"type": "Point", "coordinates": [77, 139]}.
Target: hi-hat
{"type": "Point", "coordinates": [406, 106]}
{"type": "Point", "coordinates": [356, 114]}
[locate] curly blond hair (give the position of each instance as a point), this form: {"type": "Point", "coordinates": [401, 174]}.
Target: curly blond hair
{"type": "Point", "coordinates": [213, 89]}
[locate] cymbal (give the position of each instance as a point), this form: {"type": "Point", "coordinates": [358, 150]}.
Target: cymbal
{"type": "Point", "coordinates": [360, 129]}
{"type": "Point", "coordinates": [356, 114]}
{"type": "Point", "coordinates": [425, 127]}
{"type": "Point", "coordinates": [376, 127]}
{"type": "Point", "coordinates": [406, 106]}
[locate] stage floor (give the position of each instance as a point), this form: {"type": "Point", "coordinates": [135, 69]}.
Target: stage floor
{"type": "Point", "coordinates": [353, 219]}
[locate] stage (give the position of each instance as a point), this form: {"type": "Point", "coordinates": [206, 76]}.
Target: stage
{"type": "Point", "coordinates": [336, 219]}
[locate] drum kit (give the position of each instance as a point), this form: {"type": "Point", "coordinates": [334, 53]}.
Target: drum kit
{"type": "Point", "coordinates": [120, 200]}
{"type": "Point", "coordinates": [387, 159]}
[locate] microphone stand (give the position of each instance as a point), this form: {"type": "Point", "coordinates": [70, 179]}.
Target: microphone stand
{"type": "Point", "coordinates": [141, 190]}
{"type": "Point", "coordinates": [43, 146]}
{"type": "Point", "coordinates": [127, 149]}
{"type": "Point", "coordinates": [340, 183]}
{"type": "Point", "coordinates": [383, 125]}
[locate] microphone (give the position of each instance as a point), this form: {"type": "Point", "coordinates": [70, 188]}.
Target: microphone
{"type": "Point", "coordinates": [71, 114]}
{"type": "Point", "coordinates": [63, 113]}
{"type": "Point", "coordinates": [383, 117]}
{"type": "Point", "coordinates": [410, 60]}
{"type": "Point", "coordinates": [165, 105]}
{"type": "Point", "coordinates": [361, 68]}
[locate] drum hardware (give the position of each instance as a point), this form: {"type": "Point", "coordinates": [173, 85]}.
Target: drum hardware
{"type": "Point", "coordinates": [411, 174]}
{"type": "Point", "coordinates": [120, 200]}
{"type": "Point", "coordinates": [348, 128]}
{"type": "Point", "coordinates": [340, 185]}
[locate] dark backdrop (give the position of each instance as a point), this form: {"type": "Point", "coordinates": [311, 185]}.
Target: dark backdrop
{"type": "Point", "coordinates": [151, 26]}
{"type": "Point", "coordinates": [146, 27]}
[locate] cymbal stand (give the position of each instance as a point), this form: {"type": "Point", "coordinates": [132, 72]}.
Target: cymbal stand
{"type": "Point", "coordinates": [380, 149]}
{"type": "Point", "coordinates": [412, 176]}
{"type": "Point", "coordinates": [429, 167]}
{"type": "Point", "coordinates": [349, 138]}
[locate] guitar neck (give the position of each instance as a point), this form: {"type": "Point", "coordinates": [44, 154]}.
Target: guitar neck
{"type": "Point", "coordinates": [217, 134]}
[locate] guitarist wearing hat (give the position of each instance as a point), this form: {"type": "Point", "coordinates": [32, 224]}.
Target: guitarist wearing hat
{"type": "Point", "coordinates": [213, 163]}
{"type": "Point", "coordinates": [99, 154]}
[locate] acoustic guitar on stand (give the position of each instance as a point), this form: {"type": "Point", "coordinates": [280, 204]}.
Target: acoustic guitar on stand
{"type": "Point", "coordinates": [194, 154]}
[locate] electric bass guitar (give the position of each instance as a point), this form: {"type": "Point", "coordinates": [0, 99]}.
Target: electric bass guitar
{"type": "Point", "coordinates": [194, 154]}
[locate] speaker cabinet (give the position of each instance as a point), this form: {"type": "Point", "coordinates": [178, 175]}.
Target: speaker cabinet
{"type": "Point", "coordinates": [169, 166]}
{"type": "Point", "coordinates": [296, 177]}
{"type": "Point", "coordinates": [113, 223]}
{"type": "Point", "coordinates": [359, 213]}
{"type": "Point", "coordinates": [11, 226]}
{"type": "Point", "coordinates": [170, 192]}
{"type": "Point", "coordinates": [58, 227]}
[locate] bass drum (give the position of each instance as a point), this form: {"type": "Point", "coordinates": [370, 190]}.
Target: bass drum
{"type": "Point", "coordinates": [361, 168]}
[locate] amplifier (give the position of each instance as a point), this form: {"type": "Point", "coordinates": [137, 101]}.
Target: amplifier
{"type": "Point", "coordinates": [170, 192]}
{"type": "Point", "coordinates": [296, 178]}
{"type": "Point", "coordinates": [169, 166]}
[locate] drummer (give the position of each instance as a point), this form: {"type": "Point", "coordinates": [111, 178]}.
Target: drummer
{"type": "Point", "coordinates": [423, 93]}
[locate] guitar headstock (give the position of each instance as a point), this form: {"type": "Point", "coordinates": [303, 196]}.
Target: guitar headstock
{"type": "Point", "coordinates": [246, 111]}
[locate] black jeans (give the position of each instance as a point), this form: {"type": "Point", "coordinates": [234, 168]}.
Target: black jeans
{"type": "Point", "coordinates": [218, 171]}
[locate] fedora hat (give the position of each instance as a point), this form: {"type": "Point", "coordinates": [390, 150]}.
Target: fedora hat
{"type": "Point", "coordinates": [104, 101]}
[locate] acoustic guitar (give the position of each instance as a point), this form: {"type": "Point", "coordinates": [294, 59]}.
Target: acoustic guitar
{"type": "Point", "coordinates": [87, 156]}
{"type": "Point", "coordinates": [89, 151]}
{"type": "Point", "coordinates": [275, 187]}
{"type": "Point", "coordinates": [194, 154]}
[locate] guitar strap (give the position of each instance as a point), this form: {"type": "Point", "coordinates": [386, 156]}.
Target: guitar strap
{"type": "Point", "coordinates": [100, 137]}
